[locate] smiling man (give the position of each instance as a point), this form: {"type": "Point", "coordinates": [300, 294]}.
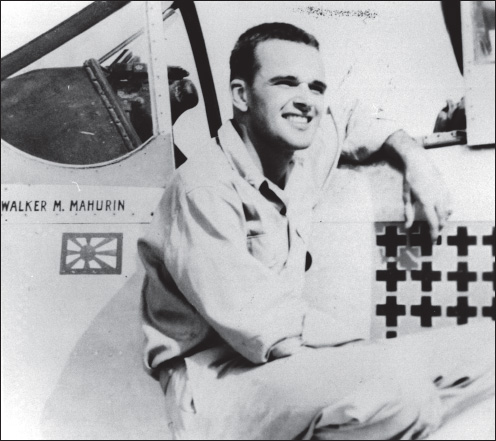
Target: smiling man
{"type": "Point", "coordinates": [238, 351]}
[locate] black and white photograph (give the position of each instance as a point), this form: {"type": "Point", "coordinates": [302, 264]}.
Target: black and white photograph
{"type": "Point", "coordinates": [248, 220]}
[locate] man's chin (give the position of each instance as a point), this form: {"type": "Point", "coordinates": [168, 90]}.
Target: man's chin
{"type": "Point", "coordinates": [302, 140]}
{"type": "Point", "coordinates": [295, 143]}
{"type": "Point", "coordinates": [300, 144]}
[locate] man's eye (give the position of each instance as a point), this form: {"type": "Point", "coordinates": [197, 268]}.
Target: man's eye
{"type": "Point", "coordinates": [317, 88]}
{"type": "Point", "coordinates": [287, 83]}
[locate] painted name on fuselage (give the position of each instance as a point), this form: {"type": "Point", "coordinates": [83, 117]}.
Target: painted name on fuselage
{"type": "Point", "coordinates": [75, 205]}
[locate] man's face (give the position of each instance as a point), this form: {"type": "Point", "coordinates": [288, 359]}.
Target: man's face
{"type": "Point", "coordinates": [286, 99]}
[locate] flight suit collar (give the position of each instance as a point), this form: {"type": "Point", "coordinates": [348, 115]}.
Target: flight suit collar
{"type": "Point", "coordinates": [237, 154]}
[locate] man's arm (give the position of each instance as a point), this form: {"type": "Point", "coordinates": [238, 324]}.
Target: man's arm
{"type": "Point", "coordinates": [366, 130]}
{"type": "Point", "coordinates": [253, 308]}
{"type": "Point", "coordinates": [422, 181]}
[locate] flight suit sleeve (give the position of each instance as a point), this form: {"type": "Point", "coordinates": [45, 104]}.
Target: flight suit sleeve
{"type": "Point", "coordinates": [365, 128]}
{"type": "Point", "coordinates": [350, 129]}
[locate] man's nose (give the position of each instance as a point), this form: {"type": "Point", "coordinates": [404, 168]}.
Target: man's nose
{"type": "Point", "coordinates": [302, 105]}
{"type": "Point", "coordinates": [303, 101]}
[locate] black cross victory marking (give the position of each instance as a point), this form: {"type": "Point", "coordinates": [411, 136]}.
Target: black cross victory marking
{"type": "Point", "coordinates": [462, 276]}
{"type": "Point", "coordinates": [426, 311]}
{"type": "Point", "coordinates": [391, 310]}
{"type": "Point", "coordinates": [489, 275]}
{"type": "Point", "coordinates": [426, 275]}
{"type": "Point", "coordinates": [391, 276]}
{"type": "Point", "coordinates": [489, 240]}
{"type": "Point", "coordinates": [420, 236]}
{"type": "Point", "coordinates": [488, 311]}
{"type": "Point", "coordinates": [462, 311]}
{"type": "Point", "coordinates": [462, 241]}
{"type": "Point", "coordinates": [391, 240]}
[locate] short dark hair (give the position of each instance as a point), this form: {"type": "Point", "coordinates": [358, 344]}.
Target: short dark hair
{"type": "Point", "coordinates": [243, 61]}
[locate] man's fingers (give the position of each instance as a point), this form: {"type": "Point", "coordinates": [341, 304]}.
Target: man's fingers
{"type": "Point", "coordinates": [407, 200]}
{"type": "Point", "coordinates": [443, 217]}
{"type": "Point", "coordinates": [433, 221]}
{"type": "Point", "coordinates": [444, 210]}
{"type": "Point", "coordinates": [409, 215]}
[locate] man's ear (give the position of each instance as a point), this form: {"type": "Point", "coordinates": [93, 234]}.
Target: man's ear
{"type": "Point", "coordinates": [239, 93]}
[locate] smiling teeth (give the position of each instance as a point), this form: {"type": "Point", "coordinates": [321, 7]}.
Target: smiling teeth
{"type": "Point", "coordinates": [297, 119]}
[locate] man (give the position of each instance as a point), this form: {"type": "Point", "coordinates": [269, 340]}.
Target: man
{"type": "Point", "coordinates": [238, 351]}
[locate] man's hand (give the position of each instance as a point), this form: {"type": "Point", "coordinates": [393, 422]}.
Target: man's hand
{"type": "Point", "coordinates": [423, 183]}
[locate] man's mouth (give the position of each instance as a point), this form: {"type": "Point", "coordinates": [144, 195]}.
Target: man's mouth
{"type": "Point", "coordinates": [297, 119]}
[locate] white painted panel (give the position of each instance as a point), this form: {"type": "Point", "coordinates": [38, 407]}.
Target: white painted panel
{"type": "Point", "coordinates": [479, 81]}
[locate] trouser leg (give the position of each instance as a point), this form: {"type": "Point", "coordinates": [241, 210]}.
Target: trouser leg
{"type": "Point", "coordinates": [460, 361]}
{"type": "Point", "coordinates": [450, 369]}
{"type": "Point", "coordinates": [389, 389]}
{"type": "Point", "coordinates": [353, 390]}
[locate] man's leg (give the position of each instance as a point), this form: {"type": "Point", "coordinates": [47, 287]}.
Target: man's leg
{"type": "Point", "coordinates": [391, 389]}
{"type": "Point", "coordinates": [449, 369]}
{"type": "Point", "coordinates": [460, 361]}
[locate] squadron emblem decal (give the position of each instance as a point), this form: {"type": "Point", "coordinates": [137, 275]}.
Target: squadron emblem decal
{"type": "Point", "coordinates": [91, 253]}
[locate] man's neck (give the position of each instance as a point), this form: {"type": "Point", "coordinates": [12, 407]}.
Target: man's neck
{"type": "Point", "coordinates": [274, 164]}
